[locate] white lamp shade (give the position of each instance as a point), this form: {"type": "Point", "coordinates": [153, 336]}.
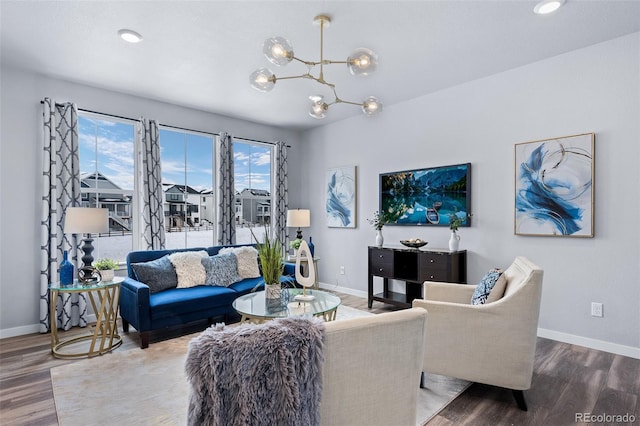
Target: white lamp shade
{"type": "Point", "coordinates": [86, 220]}
{"type": "Point", "coordinates": [299, 218]}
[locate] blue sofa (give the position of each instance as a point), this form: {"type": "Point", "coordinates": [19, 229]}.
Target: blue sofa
{"type": "Point", "coordinates": [147, 311]}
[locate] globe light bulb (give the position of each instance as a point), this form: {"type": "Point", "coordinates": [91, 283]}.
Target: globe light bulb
{"type": "Point", "coordinates": [262, 79]}
{"type": "Point", "coordinates": [278, 50]}
{"type": "Point", "coordinates": [362, 62]}
{"type": "Point", "coordinates": [371, 106]}
{"type": "Point", "coordinates": [318, 108]}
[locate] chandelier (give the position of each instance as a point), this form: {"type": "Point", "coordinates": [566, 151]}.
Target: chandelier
{"type": "Point", "coordinates": [279, 52]}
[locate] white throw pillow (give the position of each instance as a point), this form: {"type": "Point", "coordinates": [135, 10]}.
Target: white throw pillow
{"type": "Point", "coordinates": [247, 257]}
{"type": "Point", "coordinates": [189, 268]}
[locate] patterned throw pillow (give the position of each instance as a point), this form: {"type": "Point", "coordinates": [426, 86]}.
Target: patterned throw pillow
{"type": "Point", "coordinates": [247, 258]}
{"type": "Point", "coordinates": [189, 268]}
{"type": "Point", "coordinates": [221, 270]}
{"type": "Point", "coordinates": [493, 279]}
{"type": "Point", "coordinates": [158, 274]}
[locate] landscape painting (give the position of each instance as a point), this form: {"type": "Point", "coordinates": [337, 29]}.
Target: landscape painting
{"type": "Point", "coordinates": [554, 187]}
{"type": "Point", "coordinates": [341, 197]}
{"type": "Point", "coordinates": [426, 196]}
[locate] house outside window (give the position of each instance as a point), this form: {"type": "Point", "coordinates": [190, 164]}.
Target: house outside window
{"type": "Point", "coordinates": [106, 153]}
{"type": "Point", "coordinates": [187, 162]}
{"type": "Point", "coordinates": [252, 179]}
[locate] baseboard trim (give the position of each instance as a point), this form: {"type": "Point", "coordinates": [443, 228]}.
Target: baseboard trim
{"type": "Point", "coordinates": [31, 329]}
{"type": "Point", "coordinates": [600, 345]}
{"type": "Point", "coordinates": [346, 290]}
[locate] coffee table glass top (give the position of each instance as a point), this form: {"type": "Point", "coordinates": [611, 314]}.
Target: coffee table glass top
{"type": "Point", "coordinates": [256, 306]}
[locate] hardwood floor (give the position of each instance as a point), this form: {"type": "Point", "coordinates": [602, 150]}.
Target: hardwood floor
{"type": "Point", "coordinates": [567, 380]}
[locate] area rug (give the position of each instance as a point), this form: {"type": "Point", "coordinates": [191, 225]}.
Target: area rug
{"type": "Point", "coordinates": [149, 387]}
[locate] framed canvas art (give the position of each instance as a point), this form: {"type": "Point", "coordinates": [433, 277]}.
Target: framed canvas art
{"type": "Point", "coordinates": [554, 193]}
{"type": "Point", "coordinates": [341, 197]}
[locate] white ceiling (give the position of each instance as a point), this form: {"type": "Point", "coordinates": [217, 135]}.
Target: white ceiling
{"type": "Point", "coordinates": [200, 53]}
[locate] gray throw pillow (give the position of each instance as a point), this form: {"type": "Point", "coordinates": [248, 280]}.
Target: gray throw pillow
{"type": "Point", "coordinates": [221, 269]}
{"type": "Point", "coordinates": [158, 274]}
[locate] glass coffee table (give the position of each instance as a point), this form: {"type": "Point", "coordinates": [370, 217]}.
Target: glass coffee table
{"type": "Point", "coordinates": [256, 308]}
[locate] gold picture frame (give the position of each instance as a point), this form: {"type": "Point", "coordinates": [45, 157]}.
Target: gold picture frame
{"type": "Point", "coordinates": [554, 187]}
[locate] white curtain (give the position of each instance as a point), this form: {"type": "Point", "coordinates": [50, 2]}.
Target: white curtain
{"type": "Point", "coordinates": [281, 195]}
{"type": "Point", "coordinates": [60, 189]}
{"type": "Point", "coordinates": [226, 205]}
{"type": "Point", "coordinates": [151, 195]}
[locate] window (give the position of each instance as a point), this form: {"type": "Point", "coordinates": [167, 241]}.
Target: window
{"type": "Point", "coordinates": [106, 153]}
{"type": "Point", "coordinates": [187, 162]}
{"type": "Point", "coordinates": [252, 179]}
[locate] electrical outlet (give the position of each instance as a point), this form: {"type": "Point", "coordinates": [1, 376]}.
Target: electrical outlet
{"type": "Point", "coordinates": [342, 270]}
{"type": "Point", "coordinates": [596, 309]}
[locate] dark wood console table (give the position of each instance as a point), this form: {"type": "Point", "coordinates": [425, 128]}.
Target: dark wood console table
{"type": "Point", "coordinates": [413, 267]}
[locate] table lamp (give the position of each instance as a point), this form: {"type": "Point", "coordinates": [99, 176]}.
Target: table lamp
{"type": "Point", "coordinates": [86, 220]}
{"type": "Point", "coordinates": [300, 218]}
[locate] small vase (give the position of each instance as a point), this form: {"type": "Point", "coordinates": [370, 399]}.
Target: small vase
{"type": "Point", "coordinates": [312, 247]}
{"type": "Point", "coordinates": [454, 241]}
{"type": "Point", "coordinates": [379, 238]}
{"type": "Point", "coordinates": [272, 291]}
{"type": "Point", "coordinates": [66, 270]}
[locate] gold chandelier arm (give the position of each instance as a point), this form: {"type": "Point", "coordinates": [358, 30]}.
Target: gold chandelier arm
{"type": "Point", "coordinates": [307, 75]}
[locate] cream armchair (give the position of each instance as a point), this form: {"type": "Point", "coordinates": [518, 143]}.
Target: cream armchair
{"type": "Point", "coordinates": [493, 343]}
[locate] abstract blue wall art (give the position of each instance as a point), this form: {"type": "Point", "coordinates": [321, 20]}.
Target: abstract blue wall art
{"type": "Point", "coordinates": [554, 187]}
{"type": "Point", "coordinates": [341, 197]}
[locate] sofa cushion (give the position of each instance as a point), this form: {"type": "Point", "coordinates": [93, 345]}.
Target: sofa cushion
{"type": "Point", "coordinates": [189, 268]}
{"type": "Point", "coordinates": [490, 288]}
{"type": "Point", "coordinates": [179, 301]}
{"type": "Point", "coordinates": [247, 258]}
{"type": "Point", "coordinates": [221, 269]}
{"type": "Point", "coordinates": [247, 285]}
{"type": "Point", "coordinates": [158, 274]}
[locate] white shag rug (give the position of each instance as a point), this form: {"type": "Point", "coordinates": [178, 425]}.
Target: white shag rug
{"type": "Point", "coordinates": [149, 387]}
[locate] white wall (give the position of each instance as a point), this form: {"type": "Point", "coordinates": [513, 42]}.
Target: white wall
{"type": "Point", "coordinates": [595, 89]}
{"type": "Point", "coordinates": [20, 173]}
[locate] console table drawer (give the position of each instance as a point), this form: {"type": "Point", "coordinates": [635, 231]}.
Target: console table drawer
{"type": "Point", "coordinates": [381, 263]}
{"type": "Point", "coordinates": [433, 261]}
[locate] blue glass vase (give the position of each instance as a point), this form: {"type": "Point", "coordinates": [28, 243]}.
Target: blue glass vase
{"type": "Point", "coordinates": [312, 247]}
{"type": "Point", "coordinates": [66, 270]}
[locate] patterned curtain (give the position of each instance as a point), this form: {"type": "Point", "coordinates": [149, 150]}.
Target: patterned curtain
{"type": "Point", "coordinates": [60, 189]}
{"type": "Point", "coordinates": [151, 196]}
{"type": "Point", "coordinates": [226, 210]}
{"type": "Point", "coordinates": [281, 196]}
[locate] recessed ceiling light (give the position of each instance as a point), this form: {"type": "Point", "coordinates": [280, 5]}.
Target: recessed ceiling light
{"type": "Point", "coordinates": [547, 6]}
{"type": "Point", "coordinates": [130, 36]}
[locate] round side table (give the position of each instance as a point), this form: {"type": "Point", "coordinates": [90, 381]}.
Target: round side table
{"type": "Point", "coordinates": [105, 297]}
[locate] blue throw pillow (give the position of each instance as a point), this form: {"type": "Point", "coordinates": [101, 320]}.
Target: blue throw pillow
{"type": "Point", "coordinates": [222, 269]}
{"type": "Point", "coordinates": [483, 289]}
{"type": "Point", "coordinates": [158, 274]}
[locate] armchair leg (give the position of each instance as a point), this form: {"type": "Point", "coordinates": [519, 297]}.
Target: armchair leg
{"type": "Point", "coordinates": [422, 380]}
{"type": "Point", "coordinates": [144, 340]}
{"type": "Point", "coordinates": [519, 397]}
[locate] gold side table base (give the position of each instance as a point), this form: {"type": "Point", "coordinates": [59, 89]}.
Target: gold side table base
{"type": "Point", "coordinates": [105, 338]}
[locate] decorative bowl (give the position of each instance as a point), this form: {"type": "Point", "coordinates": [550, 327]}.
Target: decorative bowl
{"type": "Point", "coordinates": [413, 244]}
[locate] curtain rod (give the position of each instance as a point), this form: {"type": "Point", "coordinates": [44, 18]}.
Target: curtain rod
{"type": "Point", "coordinates": [167, 125]}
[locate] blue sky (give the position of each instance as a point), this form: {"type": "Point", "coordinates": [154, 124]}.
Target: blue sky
{"type": "Point", "coordinates": [115, 156]}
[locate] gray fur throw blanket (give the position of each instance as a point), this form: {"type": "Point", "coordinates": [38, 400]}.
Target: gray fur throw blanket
{"type": "Point", "coordinates": [257, 374]}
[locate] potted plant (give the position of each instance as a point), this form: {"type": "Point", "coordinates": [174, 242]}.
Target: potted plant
{"type": "Point", "coordinates": [378, 222]}
{"type": "Point", "coordinates": [107, 268]}
{"type": "Point", "coordinates": [270, 255]}
{"type": "Point", "coordinates": [295, 245]}
{"type": "Point", "coordinates": [455, 222]}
